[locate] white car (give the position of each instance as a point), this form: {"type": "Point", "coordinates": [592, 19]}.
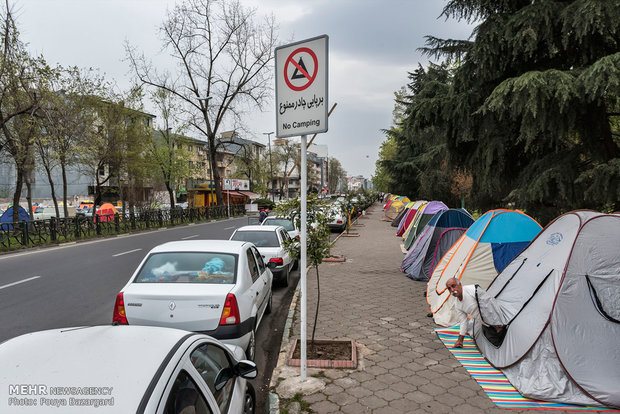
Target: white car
{"type": "Point", "coordinates": [219, 288]}
{"type": "Point", "coordinates": [338, 220]}
{"type": "Point", "coordinates": [46, 213]}
{"type": "Point", "coordinates": [288, 225]}
{"type": "Point", "coordinates": [123, 369]}
{"type": "Point", "coordinates": [269, 242]}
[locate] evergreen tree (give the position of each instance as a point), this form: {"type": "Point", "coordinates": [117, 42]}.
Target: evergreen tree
{"type": "Point", "coordinates": [533, 108]}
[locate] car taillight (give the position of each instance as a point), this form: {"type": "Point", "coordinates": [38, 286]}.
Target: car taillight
{"type": "Point", "coordinates": [230, 313]}
{"type": "Point", "coordinates": [339, 221]}
{"type": "Point", "coordinates": [276, 260]}
{"type": "Point", "coordinates": [296, 237]}
{"type": "Point", "coordinates": [119, 310]}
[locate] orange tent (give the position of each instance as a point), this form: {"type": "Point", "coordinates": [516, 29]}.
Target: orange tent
{"type": "Point", "coordinates": [106, 212]}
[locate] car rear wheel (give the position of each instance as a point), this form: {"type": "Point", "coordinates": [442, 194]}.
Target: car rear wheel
{"type": "Point", "coordinates": [249, 400]}
{"type": "Point", "coordinates": [285, 276]}
{"type": "Point", "coordinates": [295, 264]}
{"type": "Point", "coordinates": [250, 351]}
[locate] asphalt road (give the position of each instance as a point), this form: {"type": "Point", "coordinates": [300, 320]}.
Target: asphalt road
{"type": "Point", "coordinates": [76, 285]}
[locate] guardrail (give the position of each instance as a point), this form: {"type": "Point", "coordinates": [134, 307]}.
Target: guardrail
{"type": "Point", "coordinates": [60, 230]}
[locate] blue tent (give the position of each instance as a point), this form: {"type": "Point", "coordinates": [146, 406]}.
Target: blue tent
{"type": "Point", "coordinates": [485, 249]}
{"type": "Point", "coordinates": [437, 237]}
{"type": "Point", "coordinates": [7, 217]}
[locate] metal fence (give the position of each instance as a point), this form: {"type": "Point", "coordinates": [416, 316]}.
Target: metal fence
{"type": "Point", "coordinates": [54, 230]}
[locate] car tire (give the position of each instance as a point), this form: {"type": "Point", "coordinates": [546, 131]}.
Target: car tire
{"type": "Point", "coordinates": [269, 304]}
{"type": "Point", "coordinates": [249, 400]}
{"type": "Point", "coordinates": [250, 351]}
{"type": "Point", "coordinates": [295, 265]}
{"type": "Point", "coordinates": [285, 276]}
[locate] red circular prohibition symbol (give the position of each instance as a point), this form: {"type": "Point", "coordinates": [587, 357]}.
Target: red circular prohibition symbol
{"type": "Point", "coordinates": [300, 69]}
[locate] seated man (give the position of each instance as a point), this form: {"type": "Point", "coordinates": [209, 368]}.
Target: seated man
{"type": "Point", "coordinates": [467, 306]}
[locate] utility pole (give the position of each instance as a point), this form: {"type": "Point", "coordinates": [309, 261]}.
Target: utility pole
{"type": "Point", "coordinates": [270, 164]}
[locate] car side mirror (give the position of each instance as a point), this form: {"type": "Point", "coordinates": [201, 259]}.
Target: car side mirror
{"type": "Point", "coordinates": [246, 369]}
{"type": "Point", "coordinates": [222, 378]}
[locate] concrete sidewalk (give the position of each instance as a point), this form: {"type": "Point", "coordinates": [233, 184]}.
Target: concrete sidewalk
{"type": "Point", "coordinates": [403, 367]}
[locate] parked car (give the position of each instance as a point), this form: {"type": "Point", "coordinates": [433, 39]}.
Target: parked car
{"type": "Point", "coordinates": [338, 220]}
{"type": "Point", "coordinates": [217, 287]}
{"type": "Point", "coordinates": [44, 213]}
{"type": "Point", "coordinates": [84, 211]}
{"type": "Point", "coordinates": [288, 225]}
{"type": "Point", "coordinates": [124, 369]}
{"type": "Point", "coordinates": [269, 240]}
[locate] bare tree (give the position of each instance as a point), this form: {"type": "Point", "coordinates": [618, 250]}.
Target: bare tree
{"type": "Point", "coordinates": [112, 148]}
{"type": "Point", "coordinates": [67, 115]}
{"type": "Point", "coordinates": [223, 55]}
{"type": "Point", "coordinates": [254, 166]}
{"type": "Point", "coordinates": [20, 78]}
{"type": "Point", "coordinates": [285, 155]}
{"type": "Point", "coordinates": [171, 161]}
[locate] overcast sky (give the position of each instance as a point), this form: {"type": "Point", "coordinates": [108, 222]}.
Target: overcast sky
{"type": "Point", "coordinates": [372, 46]}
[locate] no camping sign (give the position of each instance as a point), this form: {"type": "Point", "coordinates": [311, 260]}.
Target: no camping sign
{"type": "Point", "coordinates": [301, 87]}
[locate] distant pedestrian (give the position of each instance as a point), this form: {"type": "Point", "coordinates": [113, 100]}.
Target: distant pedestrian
{"type": "Point", "coordinates": [262, 215]}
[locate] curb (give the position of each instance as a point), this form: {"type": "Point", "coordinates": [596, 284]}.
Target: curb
{"type": "Point", "coordinates": [274, 399]}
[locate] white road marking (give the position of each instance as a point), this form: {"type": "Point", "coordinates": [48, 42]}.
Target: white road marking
{"type": "Point", "coordinates": [228, 228]}
{"type": "Point", "coordinates": [189, 237]}
{"type": "Point", "coordinates": [127, 252]}
{"type": "Point", "coordinates": [20, 281]}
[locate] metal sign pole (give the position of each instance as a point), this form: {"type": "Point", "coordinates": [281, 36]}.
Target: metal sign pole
{"type": "Point", "coordinates": [304, 260]}
{"type": "Point", "coordinates": [228, 192]}
{"type": "Point", "coordinates": [301, 93]}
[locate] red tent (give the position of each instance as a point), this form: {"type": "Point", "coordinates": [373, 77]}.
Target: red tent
{"type": "Point", "coordinates": [406, 221]}
{"type": "Point", "coordinates": [106, 212]}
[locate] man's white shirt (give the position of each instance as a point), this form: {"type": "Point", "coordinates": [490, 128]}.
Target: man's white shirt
{"type": "Point", "coordinates": [467, 306]}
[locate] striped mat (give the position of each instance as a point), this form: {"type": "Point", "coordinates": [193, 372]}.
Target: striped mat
{"type": "Point", "coordinates": [493, 381]}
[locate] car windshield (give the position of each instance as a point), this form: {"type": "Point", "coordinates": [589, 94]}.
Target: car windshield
{"type": "Point", "coordinates": [286, 223]}
{"type": "Point", "coordinates": [259, 238]}
{"type": "Point", "coordinates": [188, 267]}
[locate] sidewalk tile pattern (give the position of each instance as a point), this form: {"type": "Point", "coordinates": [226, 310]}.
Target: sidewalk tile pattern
{"type": "Point", "coordinates": [403, 367]}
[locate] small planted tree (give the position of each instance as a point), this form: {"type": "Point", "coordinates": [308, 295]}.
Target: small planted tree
{"type": "Point", "coordinates": [317, 242]}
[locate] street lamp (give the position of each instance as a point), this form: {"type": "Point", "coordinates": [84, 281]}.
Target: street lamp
{"type": "Point", "coordinates": [270, 163]}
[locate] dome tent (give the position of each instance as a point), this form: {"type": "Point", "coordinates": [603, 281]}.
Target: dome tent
{"type": "Point", "coordinates": [389, 201]}
{"type": "Point", "coordinates": [7, 217]}
{"type": "Point", "coordinates": [392, 211]}
{"type": "Point", "coordinates": [423, 216]}
{"type": "Point", "coordinates": [478, 256]}
{"type": "Point", "coordinates": [439, 235]}
{"type": "Point", "coordinates": [408, 218]}
{"type": "Point", "coordinates": [415, 219]}
{"type": "Point", "coordinates": [558, 300]}
{"type": "Point", "coordinates": [401, 213]}
{"type": "Point", "coordinates": [106, 212]}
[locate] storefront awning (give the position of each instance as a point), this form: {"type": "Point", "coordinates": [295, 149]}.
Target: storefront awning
{"type": "Point", "coordinates": [236, 194]}
{"type": "Point", "coordinates": [249, 194]}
